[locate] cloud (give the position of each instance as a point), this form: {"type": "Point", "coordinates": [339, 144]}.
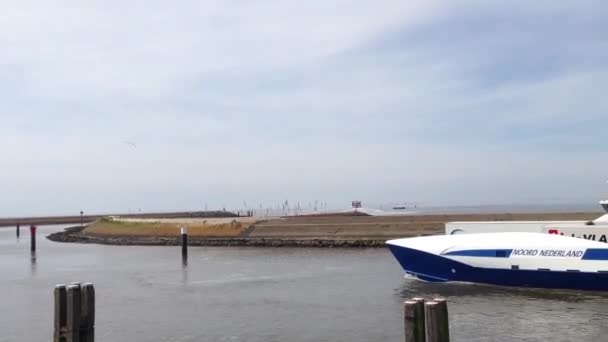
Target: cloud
{"type": "Point", "coordinates": [266, 100]}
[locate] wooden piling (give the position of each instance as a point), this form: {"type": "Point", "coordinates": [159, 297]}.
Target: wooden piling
{"type": "Point", "coordinates": [33, 238]}
{"type": "Point", "coordinates": [60, 295]}
{"type": "Point", "coordinates": [184, 232]}
{"type": "Point", "coordinates": [414, 320]}
{"type": "Point", "coordinates": [87, 316]}
{"type": "Point", "coordinates": [74, 304]}
{"type": "Point", "coordinates": [420, 324]}
{"type": "Point", "coordinates": [18, 230]}
{"type": "Point", "coordinates": [443, 318]}
{"type": "Point", "coordinates": [435, 331]}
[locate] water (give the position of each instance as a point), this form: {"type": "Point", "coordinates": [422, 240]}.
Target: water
{"type": "Point", "coordinates": [264, 294]}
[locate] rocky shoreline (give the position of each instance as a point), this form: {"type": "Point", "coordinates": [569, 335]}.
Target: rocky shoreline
{"type": "Point", "coordinates": [75, 234]}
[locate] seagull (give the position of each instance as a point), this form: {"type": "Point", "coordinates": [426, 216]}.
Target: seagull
{"type": "Point", "coordinates": [130, 143]}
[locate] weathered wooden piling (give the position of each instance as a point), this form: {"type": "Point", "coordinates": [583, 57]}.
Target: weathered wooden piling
{"type": "Point", "coordinates": [74, 313]}
{"type": "Point", "coordinates": [18, 230]}
{"type": "Point", "coordinates": [87, 321]}
{"type": "Point", "coordinates": [435, 326]}
{"type": "Point", "coordinates": [60, 294]}
{"type": "Point", "coordinates": [184, 232]}
{"type": "Point", "coordinates": [443, 318]}
{"type": "Point", "coordinates": [33, 238]}
{"type": "Point", "coordinates": [414, 320]}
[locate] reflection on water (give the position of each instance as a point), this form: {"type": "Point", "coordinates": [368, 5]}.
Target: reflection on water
{"type": "Point", "coordinates": [184, 261]}
{"type": "Point", "coordinates": [33, 262]}
{"type": "Point", "coordinates": [184, 270]}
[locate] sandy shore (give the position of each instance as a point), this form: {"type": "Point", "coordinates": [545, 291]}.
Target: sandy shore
{"type": "Point", "coordinates": [335, 231]}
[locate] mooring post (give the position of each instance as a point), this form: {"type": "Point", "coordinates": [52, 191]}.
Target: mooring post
{"type": "Point", "coordinates": [18, 229]}
{"type": "Point", "coordinates": [74, 305]}
{"type": "Point", "coordinates": [443, 318]}
{"type": "Point", "coordinates": [414, 320]}
{"type": "Point", "coordinates": [430, 317]}
{"type": "Point", "coordinates": [184, 232]}
{"type": "Point", "coordinates": [435, 326]}
{"type": "Point", "coordinates": [60, 295]}
{"type": "Point", "coordinates": [87, 316]}
{"type": "Point", "coordinates": [33, 238]}
{"type": "Point", "coordinates": [420, 324]}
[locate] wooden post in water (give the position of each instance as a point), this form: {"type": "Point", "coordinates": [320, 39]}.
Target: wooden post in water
{"type": "Point", "coordinates": [18, 228]}
{"type": "Point", "coordinates": [33, 238]}
{"type": "Point", "coordinates": [420, 325]}
{"type": "Point", "coordinates": [443, 318]}
{"type": "Point", "coordinates": [61, 305]}
{"type": "Point", "coordinates": [74, 313]}
{"type": "Point", "coordinates": [435, 326]}
{"type": "Point", "coordinates": [74, 304]}
{"type": "Point", "coordinates": [87, 317]}
{"type": "Point", "coordinates": [184, 232]}
{"type": "Point", "coordinates": [414, 320]}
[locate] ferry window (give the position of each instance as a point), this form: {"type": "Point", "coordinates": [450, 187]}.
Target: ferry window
{"type": "Point", "coordinates": [514, 267]}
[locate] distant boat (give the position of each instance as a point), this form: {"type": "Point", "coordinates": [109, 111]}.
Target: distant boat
{"type": "Point", "coordinates": [510, 259]}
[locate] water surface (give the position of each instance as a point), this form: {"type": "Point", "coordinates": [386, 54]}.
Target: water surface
{"type": "Point", "coordinates": [267, 294]}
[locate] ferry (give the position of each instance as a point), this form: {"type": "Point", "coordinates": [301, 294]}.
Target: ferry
{"type": "Point", "coordinates": [521, 259]}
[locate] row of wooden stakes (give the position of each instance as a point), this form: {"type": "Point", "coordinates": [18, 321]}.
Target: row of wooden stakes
{"type": "Point", "coordinates": [74, 313]}
{"type": "Point", "coordinates": [426, 320]}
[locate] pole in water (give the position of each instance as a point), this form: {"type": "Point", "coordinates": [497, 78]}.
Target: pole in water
{"type": "Point", "coordinates": [435, 319]}
{"type": "Point", "coordinates": [18, 229]}
{"type": "Point", "coordinates": [61, 313]}
{"type": "Point", "coordinates": [184, 232]}
{"type": "Point", "coordinates": [443, 318]}
{"type": "Point", "coordinates": [414, 320]}
{"type": "Point", "coordinates": [33, 238]}
{"type": "Point", "coordinates": [74, 311]}
{"type": "Point", "coordinates": [87, 314]}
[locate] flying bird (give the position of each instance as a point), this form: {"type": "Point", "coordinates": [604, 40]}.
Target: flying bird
{"type": "Point", "coordinates": [130, 143]}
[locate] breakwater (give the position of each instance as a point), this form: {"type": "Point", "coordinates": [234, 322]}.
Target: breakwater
{"type": "Point", "coordinates": [354, 231]}
{"type": "Point", "coordinates": [80, 219]}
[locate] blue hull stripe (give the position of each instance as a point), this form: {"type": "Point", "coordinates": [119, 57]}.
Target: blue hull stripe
{"type": "Point", "coordinates": [488, 253]}
{"type": "Point", "coordinates": [434, 267]}
{"type": "Point", "coordinates": [596, 254]}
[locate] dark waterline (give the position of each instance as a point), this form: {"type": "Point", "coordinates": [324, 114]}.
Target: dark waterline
{"type": "Point", "coordinates": [266, 294]}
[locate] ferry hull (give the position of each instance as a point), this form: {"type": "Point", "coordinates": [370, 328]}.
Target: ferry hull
{"type": "Point", "coordinates": [432, 267]}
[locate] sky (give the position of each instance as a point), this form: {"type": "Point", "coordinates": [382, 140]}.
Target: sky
{"type": "Point", "coordinates": [113, 106]}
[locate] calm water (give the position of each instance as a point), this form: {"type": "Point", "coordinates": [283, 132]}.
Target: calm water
{"type": "Point", "coordinates": [251, 294]}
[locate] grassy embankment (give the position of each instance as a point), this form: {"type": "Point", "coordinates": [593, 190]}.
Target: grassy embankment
{"type": "Point", "coordinates": [213, 227]}
{"type": "Point", "coordinates": [305, 228]}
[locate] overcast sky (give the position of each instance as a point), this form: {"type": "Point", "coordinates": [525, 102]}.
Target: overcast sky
{"type": "Point", "coordinates": [113, 106]}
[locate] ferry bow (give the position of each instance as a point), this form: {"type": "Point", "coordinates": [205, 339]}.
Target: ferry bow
{"type": "Point", "coordinates": [509, 259]}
